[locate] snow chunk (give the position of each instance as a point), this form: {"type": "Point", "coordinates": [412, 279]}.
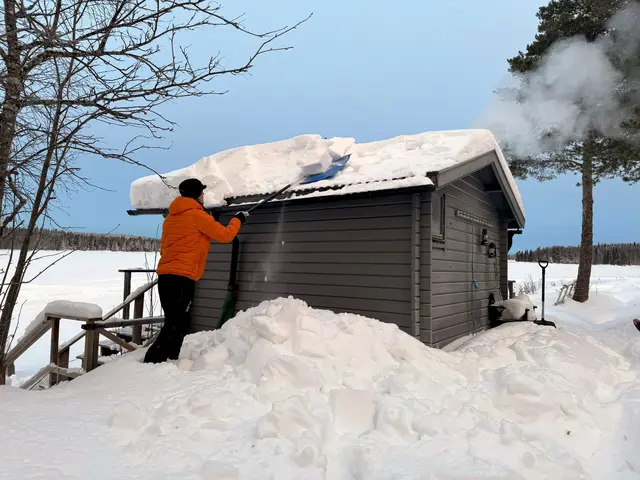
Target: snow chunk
{"type": "Point", "coordinates": [516, 307]}
{"type": "Point", "coordinates": [213, 358]}
{"type": "Point", "coordinates": [276, 327]}
{"type": "Point", "coordinates": [395, 421]}
{"type": "Point", "coordinates": [260, 353]}
{"type": "Point", "coordinates": [289, 419]}
{"type": "Point", "coordinates": [398, 162]}
{"type": "Point", "coordinates": [353, 411]}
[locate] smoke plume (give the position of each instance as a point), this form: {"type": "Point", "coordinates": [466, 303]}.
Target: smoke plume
{"type": "Point", "coordinates": [577, 87]}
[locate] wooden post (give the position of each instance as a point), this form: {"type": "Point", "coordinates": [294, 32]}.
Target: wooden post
{"type": "Point", "coordinates": [126, 292]}
{"type": "Point", "coordinates": [53, 353]}
{"type": "Point", "coordinates": [91, 344]}
{"type": "Point", "coordinates": [63, 359]}
{"type": "Point", "coordinates": [6, 371]}
{"type": "Point", "coordinates": [138, 312]}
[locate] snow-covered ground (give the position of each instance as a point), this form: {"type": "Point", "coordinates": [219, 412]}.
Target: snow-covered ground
{"type": "Point", "coordinates": [288, 392]}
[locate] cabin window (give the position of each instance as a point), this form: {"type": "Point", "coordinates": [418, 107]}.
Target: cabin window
{"type": "Point", "coordinates": [438, 216]}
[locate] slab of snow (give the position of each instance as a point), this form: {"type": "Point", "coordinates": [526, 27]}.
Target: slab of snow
{"type": "Point", "coordinates": [317, 395]}
{"type": "Point", "coordinates": [517, 307]}
{"type": "Point", "coordinates": [66, 308]}
{"type": "Point", "coordinates": [61, 309]}
{"type": "Point", "coordinates": [260, 169]}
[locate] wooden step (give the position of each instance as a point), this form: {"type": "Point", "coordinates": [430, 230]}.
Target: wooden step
{"type": "Point", "coordinates": [81, 357]}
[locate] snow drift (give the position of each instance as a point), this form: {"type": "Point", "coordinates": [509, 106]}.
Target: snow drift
{"type": "Point", "coordinates": [285, 391]}
{"type": "Point", "coordinates": [261, 169]}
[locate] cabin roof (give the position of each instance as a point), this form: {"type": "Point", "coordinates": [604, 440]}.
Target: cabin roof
{"type": "Point", "coordinates": [429, 159]}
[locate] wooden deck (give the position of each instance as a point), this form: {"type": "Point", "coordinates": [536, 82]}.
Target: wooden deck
{"type": "Point", "coordinates": [106, 336]}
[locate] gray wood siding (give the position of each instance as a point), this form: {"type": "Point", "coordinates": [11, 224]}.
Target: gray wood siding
{"type": "Point", "coordinates": [425, 270]}
{"type": "Point", "coordinates": [454, 307]}
{"type": "Point", "coordinates": [343, 255]}
{"type": "Point", "coordinates": [504, 260]}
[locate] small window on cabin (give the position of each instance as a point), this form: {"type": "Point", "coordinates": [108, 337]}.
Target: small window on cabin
{"type": "Point", "coordinates": [438, 216]}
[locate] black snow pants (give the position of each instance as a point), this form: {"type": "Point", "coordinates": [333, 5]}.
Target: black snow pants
{"type": "Point", "coordinates": [176, 294]}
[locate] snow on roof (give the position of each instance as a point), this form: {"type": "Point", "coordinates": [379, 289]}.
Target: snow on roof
{"type": "Point", "coordinates": [383, 165]}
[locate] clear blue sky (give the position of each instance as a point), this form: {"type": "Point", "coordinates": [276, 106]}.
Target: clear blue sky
{"type": "Point", "coordinates": [368, 70]}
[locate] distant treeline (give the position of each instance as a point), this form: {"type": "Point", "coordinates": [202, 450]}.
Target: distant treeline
{"type": "Point", "coordinates": [64, 240]}
{"type": "Point", "coordinates": [603, 254]}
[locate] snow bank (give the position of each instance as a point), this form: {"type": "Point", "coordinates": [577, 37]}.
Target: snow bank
{"type": "Point", "coordinates": [398, 162]}
{"type": "Point", "coordinates": [284, 391]}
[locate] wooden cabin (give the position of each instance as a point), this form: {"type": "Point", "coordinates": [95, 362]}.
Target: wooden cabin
{"type": "Point", "coordinates": [425, 252]}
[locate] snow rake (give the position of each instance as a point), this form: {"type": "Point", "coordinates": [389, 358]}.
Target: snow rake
{"type": "Point", "coordinates": [312, 173]}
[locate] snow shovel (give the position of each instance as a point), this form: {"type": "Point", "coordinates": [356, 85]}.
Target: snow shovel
{"type": "Point", "coordinates": [543, 265]}
{"type": "Point", "coordinates": [229, 305]}
{"type": "Point", "coordinates": [310, 174]}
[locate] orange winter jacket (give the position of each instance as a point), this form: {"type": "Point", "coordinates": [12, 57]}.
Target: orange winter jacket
{"type": "Point", "coordinates": [186, 235]}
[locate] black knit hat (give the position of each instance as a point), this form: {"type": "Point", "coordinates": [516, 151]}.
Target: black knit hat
{"type": "Point", "coordinates": [191, 188]}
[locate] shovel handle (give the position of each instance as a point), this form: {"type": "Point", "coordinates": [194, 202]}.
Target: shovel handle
{"type": "Point", "coordinates": [543, 263]}
{"type": "Point", "coordinates": [270, 197]}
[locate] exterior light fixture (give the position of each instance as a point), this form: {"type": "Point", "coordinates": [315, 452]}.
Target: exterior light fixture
{"type": "Point", "coordinates": [485, 238]}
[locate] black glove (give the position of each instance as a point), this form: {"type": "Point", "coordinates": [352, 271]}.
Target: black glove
{"type": "Point", "coordinates": [242, 216]}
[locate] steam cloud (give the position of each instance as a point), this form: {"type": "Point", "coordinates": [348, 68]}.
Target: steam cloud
{"type": "Point", "coordinates": [575, 89]}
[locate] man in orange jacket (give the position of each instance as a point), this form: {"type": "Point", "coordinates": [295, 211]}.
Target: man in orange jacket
{"type": "Point", "coordinates": [186, 234]}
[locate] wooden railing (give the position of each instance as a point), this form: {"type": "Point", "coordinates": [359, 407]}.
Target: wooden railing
{"type": "Point", "coordinates": [92, 328]}
{"type": "Point", "coordinates": [566, 291]}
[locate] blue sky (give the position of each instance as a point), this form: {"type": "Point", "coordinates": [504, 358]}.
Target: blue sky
{"type": "Point", "coordinates": [368, 70]}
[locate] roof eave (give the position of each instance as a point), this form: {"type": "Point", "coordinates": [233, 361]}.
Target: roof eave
{"type": "Point", "coordinates": [301, 199]}
{"type": "Point", "coordinates": [464, 169]}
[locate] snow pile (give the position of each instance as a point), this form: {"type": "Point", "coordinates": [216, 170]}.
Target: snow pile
{"type": "Point", "coordinates": [398, 162]}
{"type": "Point", "coordinates": [285, 391]}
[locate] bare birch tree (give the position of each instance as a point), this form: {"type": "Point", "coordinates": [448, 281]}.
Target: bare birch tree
{"type": "Point", "coordinates": [68, 66]}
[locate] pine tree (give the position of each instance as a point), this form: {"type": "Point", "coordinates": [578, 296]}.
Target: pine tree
{"type": "Point", "coordinates": [598, 154]}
